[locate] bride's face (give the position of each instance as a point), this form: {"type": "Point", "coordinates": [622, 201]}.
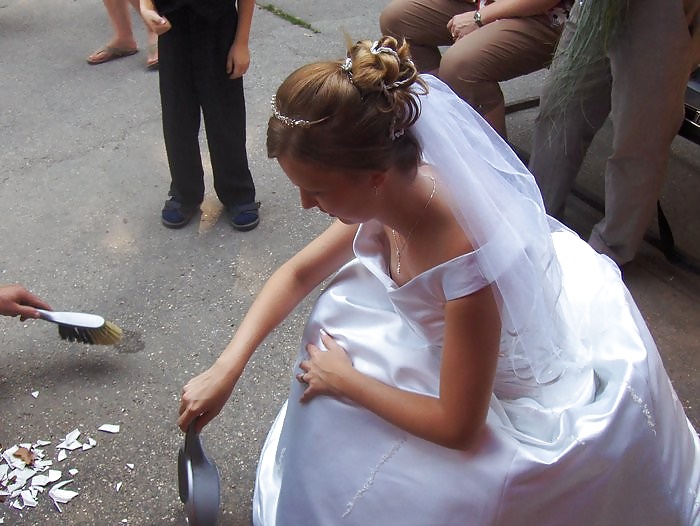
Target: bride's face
{"type": "Point", "coordinates": [347, 196]}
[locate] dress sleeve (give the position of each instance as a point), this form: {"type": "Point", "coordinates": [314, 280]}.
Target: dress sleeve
{"type": "Point", "coordinates": [461, 277]}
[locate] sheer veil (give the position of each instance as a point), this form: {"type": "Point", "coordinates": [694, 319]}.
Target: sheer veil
{"type": "Point", "coordinates": [498, 204]}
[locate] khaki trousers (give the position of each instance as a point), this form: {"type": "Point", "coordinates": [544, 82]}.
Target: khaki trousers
{"type": "Point", "coordinates": [475, 64]}
{"type": "Point", "coordinates": [641, 85]}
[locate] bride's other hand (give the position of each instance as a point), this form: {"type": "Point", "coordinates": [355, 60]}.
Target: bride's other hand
{"type": "Point", "coordinates": [204, 396]}
{"type": "Point", "coordinates": [324, 370]}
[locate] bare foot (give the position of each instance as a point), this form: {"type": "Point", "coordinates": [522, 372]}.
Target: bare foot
{"type": "Point", "coordinates": [152, 52]}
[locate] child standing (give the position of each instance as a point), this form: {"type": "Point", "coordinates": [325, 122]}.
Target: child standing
{"type": "Point", "coordinates": [204, 53]}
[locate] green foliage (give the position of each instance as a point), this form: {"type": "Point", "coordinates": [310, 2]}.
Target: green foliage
{"type": "Point", "coordinates": [289, 18]}
{"type": "Point", "coordinates": [596, 29]}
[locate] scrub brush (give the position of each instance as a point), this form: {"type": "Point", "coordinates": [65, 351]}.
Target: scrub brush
{"type": "Point", "coordinates": [85, 328]}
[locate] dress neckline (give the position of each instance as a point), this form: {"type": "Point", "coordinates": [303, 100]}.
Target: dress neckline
{"type": "Point", "coordinates": [368, 248]}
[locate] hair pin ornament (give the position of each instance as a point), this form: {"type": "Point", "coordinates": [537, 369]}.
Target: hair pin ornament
{"type": "Point", "coordinates": [288, 121]}
{"type": "Point", "coordinates": [376, 49]}
{"type": "Point", "coordinates": [347, 66]}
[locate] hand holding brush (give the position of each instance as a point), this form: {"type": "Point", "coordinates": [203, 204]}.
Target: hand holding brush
{"type": "Point", "coordinates": [15, 300]}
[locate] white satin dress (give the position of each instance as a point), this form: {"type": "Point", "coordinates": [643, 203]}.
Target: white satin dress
{"type": "Point", "coordinates": [605, 444]}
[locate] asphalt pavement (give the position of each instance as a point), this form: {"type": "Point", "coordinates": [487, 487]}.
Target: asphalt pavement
{"type": "Point", "coordinates": [83, 176]}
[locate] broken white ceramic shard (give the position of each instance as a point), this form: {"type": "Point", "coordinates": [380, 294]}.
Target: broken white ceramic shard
{"type": "Point", "coordinates": [74, 445]}
{"type": "Point", "coordinates": [62, 495]}
{"type": "Point", "coordinates": [91, 442]}
{"type": "Point", "coordinates": [69, 440]}
{"type": "Point", "coordinates": [11, 459]}
{"type": "Point", "coordinates": [43, 480]}
{"type": "Point", "coordinates": [73, 472]}
{"type": "Point", "coordinates": [129, 467]}
{"type": "Point", "coordinates": [35, 393]}
{"type": "Point", "coordinates": [20, 476]}
{"type": "Point", "coordinates": [28, 499]}
{"type": "Point", "coordinates": [109, 428]}
{"type": "Point", "coordinates": [42, 465]}
{"type": "Point", "coordinates": [62, 455]}
{"type": "Point", "coordinates": [118, 486]}
{"type": "Point", "coordinates": [41, 443]}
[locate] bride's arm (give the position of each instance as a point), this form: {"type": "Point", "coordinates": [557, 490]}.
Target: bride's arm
{"type": "Point", "coordinates": [205, 395]}
{"type": "Point", "coordinates": [470, 354]}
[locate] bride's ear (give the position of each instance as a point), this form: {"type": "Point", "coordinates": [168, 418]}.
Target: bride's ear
{"type": "Point", "coordinates": [377, 179]}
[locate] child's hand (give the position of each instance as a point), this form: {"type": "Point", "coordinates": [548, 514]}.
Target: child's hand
{"type": "Point", "coordinates": [238, 61]}
{"type": "Point", "coordinates": [156, 23]}
{"type": "Point", "coordinates": [324, 369]}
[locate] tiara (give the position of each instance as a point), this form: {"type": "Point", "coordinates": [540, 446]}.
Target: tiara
{"type": "Point", "coordinates": [288, 121]}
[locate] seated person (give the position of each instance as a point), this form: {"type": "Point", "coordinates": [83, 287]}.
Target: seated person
{"type": "Point", "coordinates": [490, 42]}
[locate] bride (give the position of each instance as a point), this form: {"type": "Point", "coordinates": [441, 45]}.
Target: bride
{"type": "Point", "coordinates": [471, 361]}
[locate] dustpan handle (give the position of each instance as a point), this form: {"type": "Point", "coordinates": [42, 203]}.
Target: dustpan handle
{"type": "Point", "coordinates": [193, 446]}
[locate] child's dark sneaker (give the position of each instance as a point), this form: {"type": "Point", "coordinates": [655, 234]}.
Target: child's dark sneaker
{"type": "Point", "coordinates": [244, 217]}
{"type": "Point", "coordinates": [176, 215]}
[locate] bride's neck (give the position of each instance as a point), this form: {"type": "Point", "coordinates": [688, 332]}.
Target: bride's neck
{"type": "Point", "coordinates": [407, 202]}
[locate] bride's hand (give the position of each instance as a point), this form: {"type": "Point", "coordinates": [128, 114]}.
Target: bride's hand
{"type": "Point", "coordinates": [204, 396]}
{"type": "Point", "coordinates": [323, 369]}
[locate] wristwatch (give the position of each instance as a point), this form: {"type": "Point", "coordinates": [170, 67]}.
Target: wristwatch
{"type": "Point", "coordinates": [477, 19]}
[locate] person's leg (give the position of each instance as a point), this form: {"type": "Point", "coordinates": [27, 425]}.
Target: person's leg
{"type": "Point", "coordinates": [423, 23]}
{"type": "Point", "coordinates": [181, 111]}
{"type": "Point", "coordinates": [152, 42]}
{"type": "Point", "coordinates": [123, 39]}
{"type": "Point", "coordinates": [500, 51]}
{"type": "Point", "coordinates": [566, 125]}
{"type": "Point", "coordinates": [223, 106]}
{"type": "Point", "coordinates": [650, 62]}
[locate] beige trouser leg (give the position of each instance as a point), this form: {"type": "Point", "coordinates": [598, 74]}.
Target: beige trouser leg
{"type": "Point", "coordinates": [423, 23]}
{"type": "Point", "coordinates": [475, 64]}
{"type": "Point", "coordinates": [650, 66]}
{"type": "Point", "coordinates": [642, 87]}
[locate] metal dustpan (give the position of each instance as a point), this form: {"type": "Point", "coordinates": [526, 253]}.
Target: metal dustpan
{"type": "Point", "coordinates": [198, 482]}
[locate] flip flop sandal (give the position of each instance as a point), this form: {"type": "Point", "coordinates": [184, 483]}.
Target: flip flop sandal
{"type": "Point", "coordinates": [108, 53]}
{"type": "Point", "coordinates": [152, 51]}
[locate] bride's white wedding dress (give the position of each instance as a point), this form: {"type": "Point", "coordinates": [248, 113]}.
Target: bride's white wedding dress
{"type": "Point", "coordinates": [606, 443]}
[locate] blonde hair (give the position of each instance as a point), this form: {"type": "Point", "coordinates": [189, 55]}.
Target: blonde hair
{"type": "Point", "coordinates": [352, 114]}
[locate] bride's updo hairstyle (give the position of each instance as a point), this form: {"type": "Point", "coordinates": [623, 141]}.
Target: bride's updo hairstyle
{"type": "Point", "coordinates": [350, 114]}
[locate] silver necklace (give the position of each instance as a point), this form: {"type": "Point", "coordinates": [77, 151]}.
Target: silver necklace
{"type": "Point", "coordinates": [410, 232]}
